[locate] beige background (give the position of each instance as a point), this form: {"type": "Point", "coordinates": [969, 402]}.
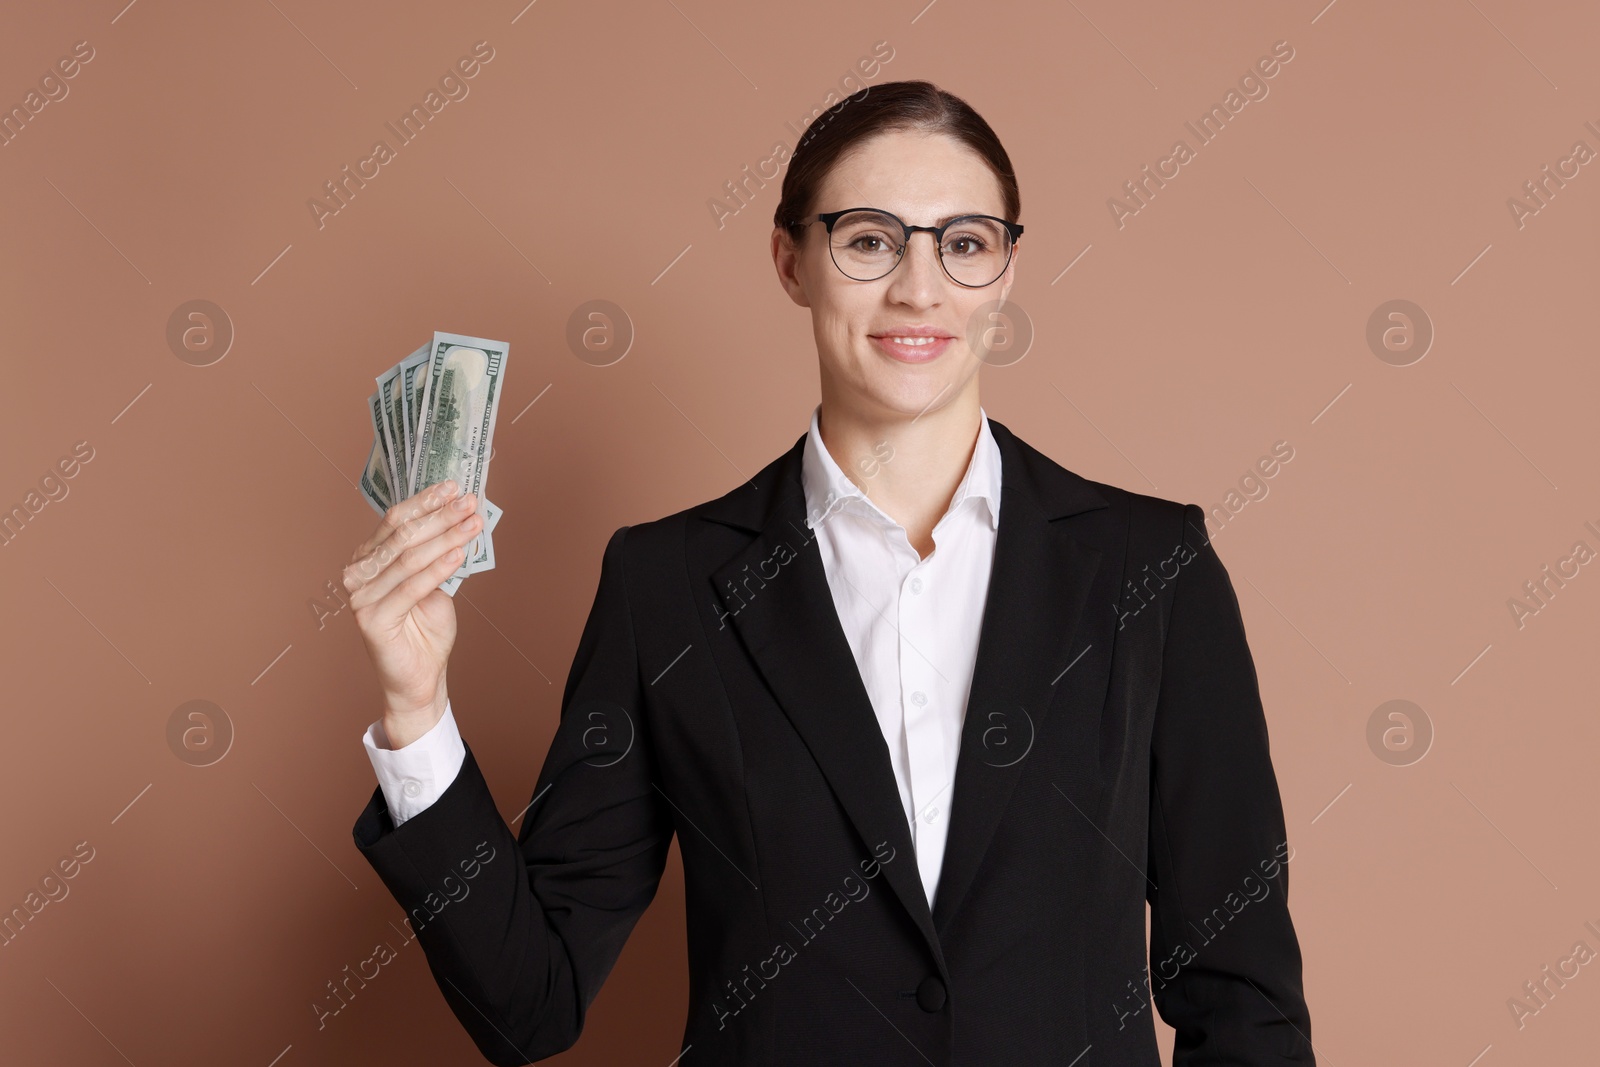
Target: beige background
{"type": "Point", "coordinates": [1230, 313]}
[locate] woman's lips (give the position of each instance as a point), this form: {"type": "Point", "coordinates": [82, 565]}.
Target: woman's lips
{"type": "Point", "coordinates": [913, 353]}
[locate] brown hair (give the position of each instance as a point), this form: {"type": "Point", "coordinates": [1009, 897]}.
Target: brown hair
{"type": "Point", "coordinates": [901, 105]}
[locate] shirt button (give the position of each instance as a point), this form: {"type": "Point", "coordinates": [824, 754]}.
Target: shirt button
{"type": "Point", "coordinates": [411, 787]}
{"type": "Point", "coordinates": [916, 585]}
{"type": "Point", "coordinates": [919, 698]}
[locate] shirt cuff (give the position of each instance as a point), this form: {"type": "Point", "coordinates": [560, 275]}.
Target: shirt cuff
{"type": "Point", "coordinates": [415, 776]}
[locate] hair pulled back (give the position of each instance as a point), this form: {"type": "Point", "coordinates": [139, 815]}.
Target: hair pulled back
{"type": "Point", "coordinates": [898, 105]}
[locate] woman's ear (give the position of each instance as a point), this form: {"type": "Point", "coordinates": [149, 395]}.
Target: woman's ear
{"type": "Point", "coordinates": [786, 258]}
{"type": "Point", "coordinates": [1010, 275]}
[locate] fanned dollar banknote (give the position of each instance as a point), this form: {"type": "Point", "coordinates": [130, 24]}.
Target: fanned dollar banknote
{"type": "Point", "coordinates": [433, 418]}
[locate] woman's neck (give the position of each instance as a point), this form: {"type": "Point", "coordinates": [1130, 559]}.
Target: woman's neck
{"type": "Point", "coordinates": [910, 466]}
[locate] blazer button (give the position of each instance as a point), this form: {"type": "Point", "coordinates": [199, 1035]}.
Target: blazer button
{"type": "Point", "coordinates": [930, 994]}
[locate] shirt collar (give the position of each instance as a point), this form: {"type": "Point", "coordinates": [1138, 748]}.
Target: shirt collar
{"type": "Point", "coordinates": [828, 489]}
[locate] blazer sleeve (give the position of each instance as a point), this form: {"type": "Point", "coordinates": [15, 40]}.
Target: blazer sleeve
{"type": "Point", "coordinates": [520, 932]}
{"type": "Point", "coordinates": [1225, 967]}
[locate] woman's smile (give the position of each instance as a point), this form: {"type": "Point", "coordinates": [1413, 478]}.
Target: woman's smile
{"type": "Point", "coordinates": [913, 344]}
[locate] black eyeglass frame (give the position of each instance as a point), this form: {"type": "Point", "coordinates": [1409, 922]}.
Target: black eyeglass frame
{"type": "Point", "coordinates": [828, 218]}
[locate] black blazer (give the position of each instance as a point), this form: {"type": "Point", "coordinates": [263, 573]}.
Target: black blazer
{"type": "Point", "coordinates": [1114, 752]}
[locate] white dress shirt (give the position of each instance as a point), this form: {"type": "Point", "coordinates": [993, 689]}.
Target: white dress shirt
{"type": "Point", "coordinates": [414, 776]}
{"type": "Point", "coordinates": [912, 623]}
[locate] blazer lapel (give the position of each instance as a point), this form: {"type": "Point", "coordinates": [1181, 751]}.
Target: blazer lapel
{"type": "Point", "coordinates": [776, 592]}
{"type": "Point", "coordinates": [1031, 634]}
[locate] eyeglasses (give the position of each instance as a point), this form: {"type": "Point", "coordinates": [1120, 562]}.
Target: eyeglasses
{"type": "Point", "coordinates": [866, 244]}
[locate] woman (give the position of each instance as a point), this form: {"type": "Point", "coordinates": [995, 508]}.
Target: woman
{"type": "Point", "coordinates": [932, 716]}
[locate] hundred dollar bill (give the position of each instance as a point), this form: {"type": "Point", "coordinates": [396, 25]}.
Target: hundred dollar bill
{"type": "Point", "coordinates": [377, 483]}
{"type": "Point", "coordinates": [484, 560]}
{"type": "Point", "coordinates": [455, 427]}
{"type": "Point", "coordinates": [492, 517]}
{"type": "Point", "coordinates": [392, 411]}
{"type": "Point", "coordinates": [436, 409]}
{"type": "Point", "coordinates": [374, 481]}
{"type": "Point", "coordinates": [411, 384]}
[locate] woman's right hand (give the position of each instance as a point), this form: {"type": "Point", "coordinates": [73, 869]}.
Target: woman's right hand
{"type": "Point", "coordinates": [406, 620]}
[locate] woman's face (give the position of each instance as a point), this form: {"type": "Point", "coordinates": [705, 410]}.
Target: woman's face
{"type": "Point", "coordinates": [923, 178]}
